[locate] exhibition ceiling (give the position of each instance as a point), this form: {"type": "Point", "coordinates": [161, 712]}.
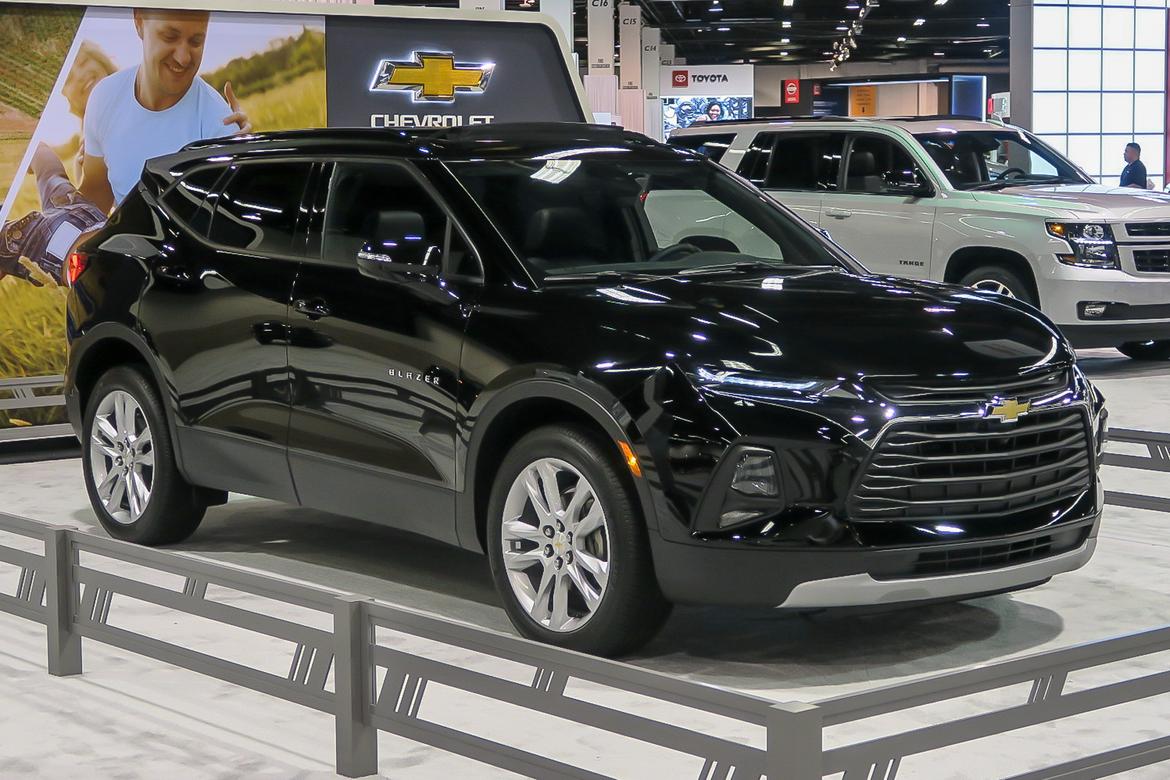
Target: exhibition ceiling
{"type": "Point", "coordinates": [775, 32]}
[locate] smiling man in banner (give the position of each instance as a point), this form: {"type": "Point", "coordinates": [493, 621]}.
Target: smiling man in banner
{"type": "Point", "coordinates": [153, 108]}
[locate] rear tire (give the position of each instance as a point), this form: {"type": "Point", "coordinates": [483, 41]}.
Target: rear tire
{"type": "Point", "coordinates": [128, 459]}
{"type": "Point", "coordinates": [1146, 350]}
{"type": "Point", "coordinates": [594, 592]}
{"type": "Point", "coordinates": [999, 279]}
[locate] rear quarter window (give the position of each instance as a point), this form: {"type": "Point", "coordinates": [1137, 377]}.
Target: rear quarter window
{"type": "Point", "coordinates": [711, 146]}
{"type": "Point", "coordinates": [186, 200]}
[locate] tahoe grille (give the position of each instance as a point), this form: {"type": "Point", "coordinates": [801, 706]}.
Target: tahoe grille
{"type": "Point", "coordinates": [1148, 229]}
{"type": "Point", "coordinates": [969, 468]}
{"type": "Point", "coordinates": [949, 389]}
{"type": "Point", "coordinates": [1152, 260]}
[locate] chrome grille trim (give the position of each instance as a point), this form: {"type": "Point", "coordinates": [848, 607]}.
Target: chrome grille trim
{"type": "Point", "coordinates": [950, 390]}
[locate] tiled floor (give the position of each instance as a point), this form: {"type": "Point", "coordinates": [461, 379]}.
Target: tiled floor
{"type": "Point", "coordinates": [130, 717]}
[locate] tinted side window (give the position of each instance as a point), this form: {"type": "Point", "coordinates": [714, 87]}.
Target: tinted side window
{"type": "Point", "coordinates": [754, 166]}
{"type": "Point", "coordinates": [713, 146]}
{"type": "Point", "coordinates": [186, 199]}
{"type": "Point", "coordinates": [806, 162]}
{"type": "Point", "coordinates": [257, 209]}
{"type": "Point", "coordinates": [873, 160]}
{"type": "Point", "coordinates": [384, 212]}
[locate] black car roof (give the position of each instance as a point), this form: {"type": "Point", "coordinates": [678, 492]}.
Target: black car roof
{"type": "Point", "coordinates": [498, 141]}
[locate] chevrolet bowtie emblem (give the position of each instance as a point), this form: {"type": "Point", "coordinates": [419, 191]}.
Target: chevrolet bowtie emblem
{"type": "Point", "coordinates": [1009, 411]}
{"type": "Point", "coordinates": [433, 77]}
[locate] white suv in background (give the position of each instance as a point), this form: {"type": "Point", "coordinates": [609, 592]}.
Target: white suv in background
{"type": "Point", "coordinates": [976, 203]}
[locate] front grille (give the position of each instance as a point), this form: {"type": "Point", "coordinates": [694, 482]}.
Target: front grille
{"type": "Point", "coordinates": [1148, 229]}
{"type": "Point", "coordinates": [952, 389]}
{"type": "Point", "coordinates": [1152, 260]}
{"type": "Point", "coordinates": [975, 467]}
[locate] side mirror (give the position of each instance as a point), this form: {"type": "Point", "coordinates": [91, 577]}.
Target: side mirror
{"type": "Point", "coordinates": [409, 258]}
{"type": "Point", "coordinates": [906, 183]}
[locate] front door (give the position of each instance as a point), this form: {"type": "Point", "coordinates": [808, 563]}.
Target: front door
{"type": "Point", "coordinates": [377, 332]}
{"type": "Point", "coordinates": [887, 231]}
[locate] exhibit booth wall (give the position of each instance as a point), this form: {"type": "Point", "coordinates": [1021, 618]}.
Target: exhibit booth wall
{"type": "Point", "coordinates": [69, 80]}
{"type": "Point", "coordinates": [1089, 77]}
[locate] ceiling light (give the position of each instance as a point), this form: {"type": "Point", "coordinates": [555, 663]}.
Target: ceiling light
{"type": "Point", "coordinates": [938, 54]}
{"type": "Point", "coordinates": [841, 28]}
{"type": "Point", "coordinates": [940, 2]}
{"type": "Point", "coordinates": [786, 25]}
{"type": "Point", "coordinates": [729, 43]}
{"type": "Point", "coordinates": [788, 3]}
{"type": "Point", "coordinates": [783, 54]}
{"type": "Point", "coordinates": [982, 24]}
{"type": "Point", "coordinates": [852, 7]}
{"type": "Point", "coordinates": [901, 39]}
{"type": "Point", "coordinates": [919, 22]}
{"type": "Point", "coordinates": [785, 40]}
{"type": "Point", "coordinates": [826, 54]}
{"type": "Point", "coordinates": [723, 29]}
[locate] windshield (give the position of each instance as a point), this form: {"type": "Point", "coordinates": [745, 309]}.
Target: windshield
{"type": "Point", "coordinates": [991, 159]}
{"type": "Point", "coordinates": [604, 212]}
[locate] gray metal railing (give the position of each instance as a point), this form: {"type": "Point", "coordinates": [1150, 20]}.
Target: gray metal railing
{"type": "Point", "coordinates": [1158, 459]}
{"type": "Point", "coordinates": [74, 601]}
{"type": "Point", "coordinates": [32, 392]}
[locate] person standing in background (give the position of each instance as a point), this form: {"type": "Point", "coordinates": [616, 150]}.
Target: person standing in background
{"type": "Point", "coordinates": [1134, 173]}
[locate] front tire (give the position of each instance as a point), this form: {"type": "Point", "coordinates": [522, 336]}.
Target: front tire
{"type": "Point", "coordinates": [1146, 350]}
{"type": "Point", "coordinates": [1001, 280]}
{"type": "Point", "coordinates": [568, 547]}
{"type": "Point", "coordinates": [134, 486]}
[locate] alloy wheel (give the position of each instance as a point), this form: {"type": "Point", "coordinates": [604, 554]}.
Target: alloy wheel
{"type": "Point", "coordinates": [995, 286]}
{"type": "Point", "coordinates": [121, 456]}
{"type": "Point", "coordinates": [556, 544]}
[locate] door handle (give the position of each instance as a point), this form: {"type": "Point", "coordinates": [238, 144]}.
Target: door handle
{"type": "Point", "coordinates": [838, 213]}
{"type": "Point", "coordinates": [313, 308]}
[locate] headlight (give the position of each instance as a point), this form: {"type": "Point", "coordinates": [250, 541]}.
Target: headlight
{"type": "Point", "coordinates": [704, 376]}
{"type": "Point", "coordinates": [1092, 244]}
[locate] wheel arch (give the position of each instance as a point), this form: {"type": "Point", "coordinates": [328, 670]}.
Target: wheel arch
{"type": "Point", "coordinates": [525, 406]}
{"type": "Point", "coordinates": [109, 345]}
{"type": "Point", "coordinates": [968, 258]}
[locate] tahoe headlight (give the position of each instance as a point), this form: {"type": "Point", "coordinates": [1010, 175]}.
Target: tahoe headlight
{"type": "Point", "coordinates": [1092, 244]}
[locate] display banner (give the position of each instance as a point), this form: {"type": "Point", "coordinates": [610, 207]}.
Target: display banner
{"type": "Point", "coordinates": [791, 91]}
{"type": "Point", "coordinates": [630, 38]}
{"type": "Point", "coordinates": [651, 37]}
{"type": "Point", "coordinates": [708, 80]}
{"type": "Point", "coordinates": [599, 21]}
{"type": "Point", "coordinates": [88, 94]}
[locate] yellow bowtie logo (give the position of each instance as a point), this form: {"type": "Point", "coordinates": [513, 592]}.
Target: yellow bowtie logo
{"type": "Point", "coordinates": [432, 76]}
{"type": "Point", "coordinates": [1009, 411]}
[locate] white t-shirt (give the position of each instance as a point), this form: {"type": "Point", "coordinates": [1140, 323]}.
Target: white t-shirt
{"type": "Point", "coordinates": [118, 129]}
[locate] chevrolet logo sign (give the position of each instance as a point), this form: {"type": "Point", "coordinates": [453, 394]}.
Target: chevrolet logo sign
{"type": "Point", "coordinates": [1009, 411]}
{"type": "Point", "coordinates": [433, 77]}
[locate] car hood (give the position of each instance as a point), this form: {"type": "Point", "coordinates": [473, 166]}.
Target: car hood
{"type": "Point", "coordinates": [821, 324]}
{"type": "Point", "coordinates": [1091, 201]}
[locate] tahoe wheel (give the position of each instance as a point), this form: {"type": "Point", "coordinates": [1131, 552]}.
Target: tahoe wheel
{"type": "Point", "coordinates": [568, 547]}
{"type": "Point", "coordinates": [1146, 350]}
{"type": "Point", "coordinates": [130, 474]}
{"type": "Point", "coordinates": [1000, 280]}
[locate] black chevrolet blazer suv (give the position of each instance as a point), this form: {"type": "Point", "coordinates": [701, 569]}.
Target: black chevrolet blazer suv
{"type": "Point", "coordinates": [620, 371]}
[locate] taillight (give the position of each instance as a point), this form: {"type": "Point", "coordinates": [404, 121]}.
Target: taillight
{"type": "Point", "coordinates": [75, 264]}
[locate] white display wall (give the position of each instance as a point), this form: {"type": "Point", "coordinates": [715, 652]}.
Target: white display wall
{"type": "Point", "coordinates": [1099, 82]}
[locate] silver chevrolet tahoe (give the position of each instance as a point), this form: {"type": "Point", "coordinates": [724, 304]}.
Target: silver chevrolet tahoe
{"type": "Point", "coordinates": [977, 203]}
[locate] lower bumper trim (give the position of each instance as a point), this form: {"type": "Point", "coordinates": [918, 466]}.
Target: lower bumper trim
{"type": "Point", "coordinates": [863, 590]}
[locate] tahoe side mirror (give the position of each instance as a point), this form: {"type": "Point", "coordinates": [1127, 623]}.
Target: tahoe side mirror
{"type": "Point", "coordinates": [906, 183]}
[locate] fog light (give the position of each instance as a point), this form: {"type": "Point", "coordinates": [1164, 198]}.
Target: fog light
{"type": "Point", "coordinates": [737, 516]}
{"type": "Point", "coordinates": [1093, 309]}
{"type": "Point", "coordinates": [755, 474]}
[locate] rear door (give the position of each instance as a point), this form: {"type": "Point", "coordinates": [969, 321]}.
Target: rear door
{"type": "Point", "coordinates": [888, 232]}
{"type": "Point", "coordinates": [796, 168]}
{"type": "Point", "coordinates": [217, 313]}
{"type": "Point", "coordinates": [375, 356]}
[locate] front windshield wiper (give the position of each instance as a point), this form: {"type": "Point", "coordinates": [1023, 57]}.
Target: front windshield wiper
{"type": "Point", "coordinates": [747, 265]}
{"type": "Point", "coordinates": [606, 277]}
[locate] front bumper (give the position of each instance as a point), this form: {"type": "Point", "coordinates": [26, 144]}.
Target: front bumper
{"type": "Point", "coordinates": [1140, 302]}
